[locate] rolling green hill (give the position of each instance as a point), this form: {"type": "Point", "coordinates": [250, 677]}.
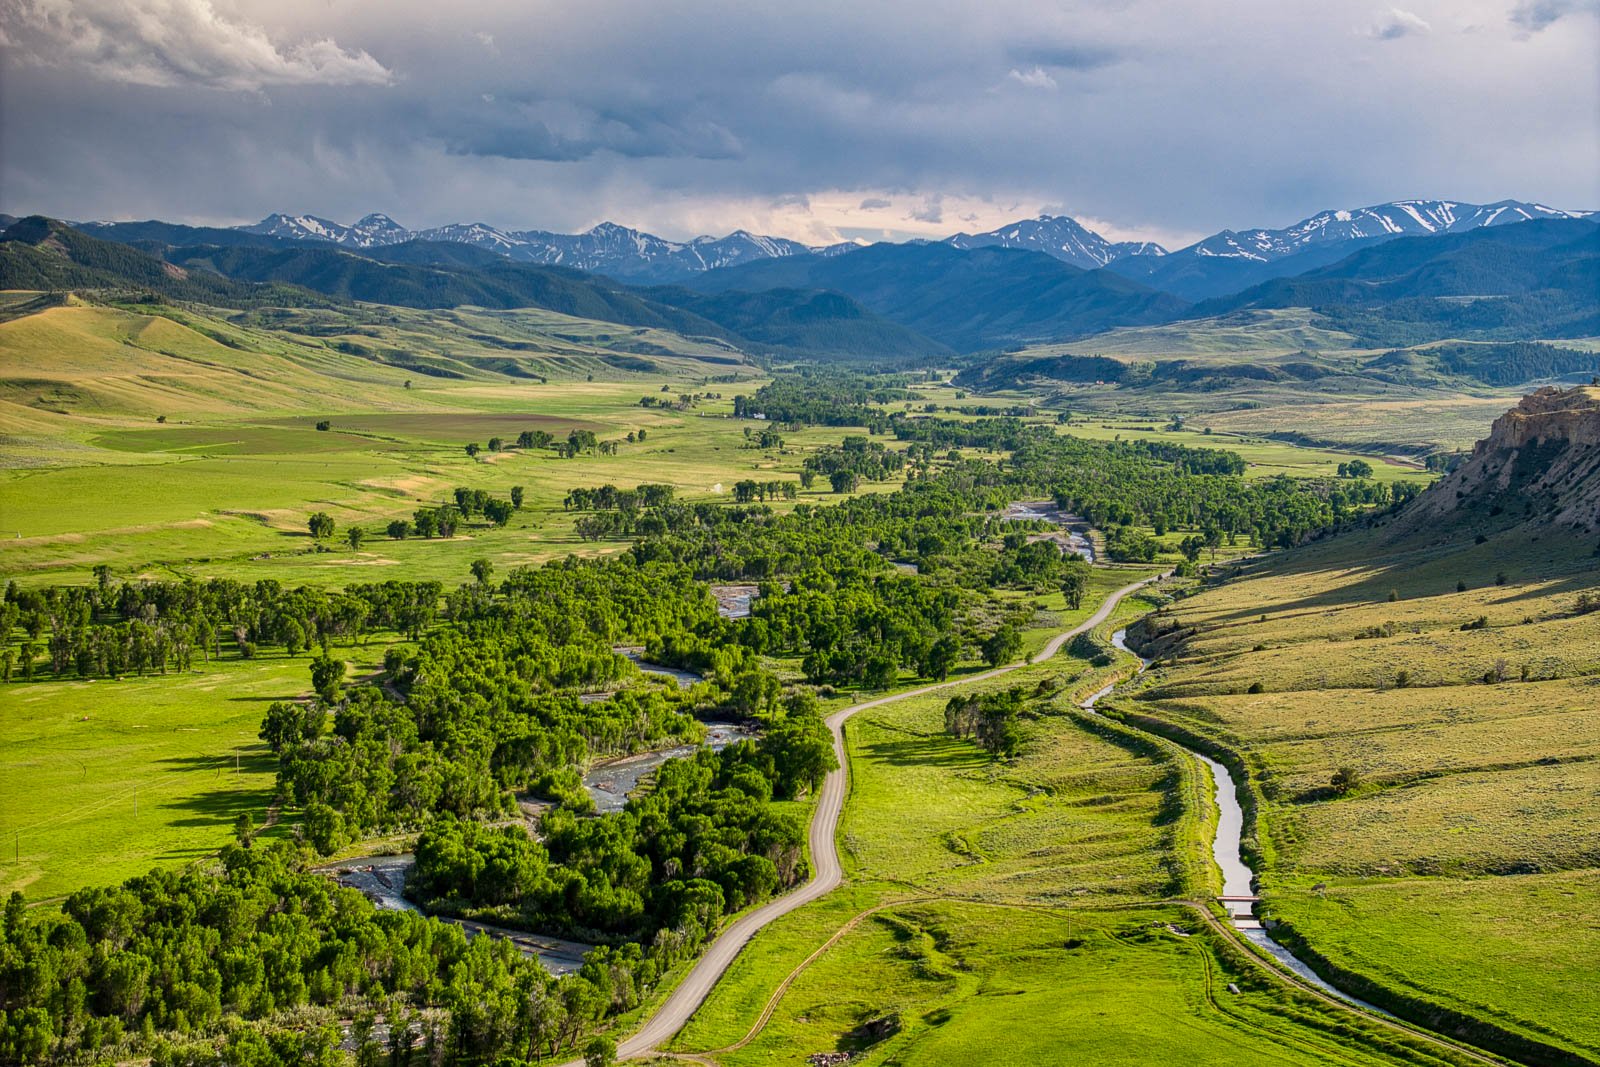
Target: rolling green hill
{"type": "Point", "coordinates": [435, 275]}
{"type": "Point", "coordinates": [42, 254]}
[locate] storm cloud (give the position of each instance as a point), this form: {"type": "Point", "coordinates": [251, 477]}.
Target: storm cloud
{"type": "Point", "coordinates": [1162, 119]}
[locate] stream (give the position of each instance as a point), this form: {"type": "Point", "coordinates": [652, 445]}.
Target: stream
{"type": "Point", "coordinates": [1238, 880]}
{"type": "Point", "coordinates": [382, 880]}
{"type": "Point", "coordinates": [1073, 536]}
{"type": "Point", "coordinates": [684, 678]}
{"type": "Point", "coordinates": [610, 782]}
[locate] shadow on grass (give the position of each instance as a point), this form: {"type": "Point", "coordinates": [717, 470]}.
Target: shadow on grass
{"type": "Point", "coordinates": [219, 807]}
{"type": "Point", "coordinates": [926, 752]}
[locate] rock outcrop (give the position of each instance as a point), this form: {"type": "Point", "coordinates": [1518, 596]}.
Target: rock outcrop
{"type": "Point", "coordinates": [1540, 461]}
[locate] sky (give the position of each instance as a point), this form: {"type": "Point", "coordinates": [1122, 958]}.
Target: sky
{"type": "Point", "coordinates": [818, 121]}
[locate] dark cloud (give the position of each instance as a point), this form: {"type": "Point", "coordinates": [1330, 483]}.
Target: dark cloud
{"type": "Point", "coordinates": [1160, 117]}
{"type": "Point", "coordinates": [563, 132]}
{"type": "Point", "coordinates": [930, 210]}
{"type": "Point", "coordinates": [1063, 56]}
{"type": "Point", "coordinates": [1535, 15]}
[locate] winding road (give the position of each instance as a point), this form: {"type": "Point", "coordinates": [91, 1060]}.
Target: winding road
{"type": "Point", "coordinates": [827, 873]}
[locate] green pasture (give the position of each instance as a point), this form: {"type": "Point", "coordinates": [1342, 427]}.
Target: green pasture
{"type": "Point", "coordinates": [1265, 458]}
{"type": "Point", "coordinates": [1519, 949]}
{"type": "Point", "coordinates": [100, 779]}
{"type": "Point", "coordinates": [975, 983]}
{"type": "Point", "coordinates": [1008, 912]}
{"type": "Point", "coordinates": [233, 499]}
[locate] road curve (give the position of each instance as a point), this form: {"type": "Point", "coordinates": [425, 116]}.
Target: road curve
{"type": "Point", "coordinates": [826, 871]}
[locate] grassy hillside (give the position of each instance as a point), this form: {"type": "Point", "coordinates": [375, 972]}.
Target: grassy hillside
{"type": "Point", "coordinates": [1415, 706]}
{"type": "Point", "coordinates": [41, 253]}
{"type": "Point", "coordinates": [1287, 373]}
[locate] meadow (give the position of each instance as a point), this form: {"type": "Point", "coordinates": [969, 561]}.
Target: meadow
{"type": "Point", "coordinates": [101, 779]}
{"type": "Point", "coordinates": [1416, 711]}
{"type": "Point", "coordinates": [1013, 912]}
{"type": "Point", "coordinates": [1424, 933]}
{"type": "Point", "coordinates": [1261, 391]}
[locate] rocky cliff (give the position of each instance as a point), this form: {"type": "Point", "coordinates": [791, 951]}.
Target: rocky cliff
{"type": "Point", "coordinates": [1541, 461]}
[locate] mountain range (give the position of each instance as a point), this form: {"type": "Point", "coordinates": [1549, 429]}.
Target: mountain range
{"type": "Point", "coordinates": [1223, 263]}
{"type": "Point", "coordinates": [1232, 260]}
{"type": "Point", "coordinates": [968, 299]}
{"type": "Point", "coordinates": [46, 254]}
{"type": "Point", "coordinates": [1391, 276]}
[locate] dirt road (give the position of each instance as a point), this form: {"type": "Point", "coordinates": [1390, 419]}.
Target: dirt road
{"type": "Point", "coordinates": [826, 871]}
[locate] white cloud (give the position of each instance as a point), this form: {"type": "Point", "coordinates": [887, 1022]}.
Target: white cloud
{"type": "Point", "coordinates": [1033, 78]}
{"type": "Point", "coordinates": [176, 43]}
{"type": "Point", "coordinates": [1397, 23]}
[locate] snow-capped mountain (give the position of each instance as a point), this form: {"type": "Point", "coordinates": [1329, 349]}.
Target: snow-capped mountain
{"type": "Point", "coordinates": [627, 253]}
{"type": "Point", "coordinates": [1221, 263]}
{"type": "Point", "coordinates": [373, 231]}
{"type": "Point", "coordinates": [1233, 260]}
{"type": "Point", "coordinates": [1402, 218]}
{"type": "Point", "coordinates": [1060, 236]}
{"type": "Point", "coordinates": [605, 249]}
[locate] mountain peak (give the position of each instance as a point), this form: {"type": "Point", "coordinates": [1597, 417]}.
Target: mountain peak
{"type": "Point", "coordinates": [1061, 237]}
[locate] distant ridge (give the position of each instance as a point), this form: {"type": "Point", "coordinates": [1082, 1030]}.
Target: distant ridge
{"type": "Point", "coordinates": [618, 251]}
{"type": "Point", "coordinates": [1232, 260]}
{"type": "Point", "coordinates": [1225, 262]}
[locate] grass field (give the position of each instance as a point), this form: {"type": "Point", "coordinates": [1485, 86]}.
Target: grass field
{"type": "Point", "coordinates": [1421, 934]}
{"type": "Point", "coordinates": [1468, 835]}
{"type": "Point", "coordinates": [100, 779]}
{"type": "Point", "coordinates": [1266, 458]}
{"type": "Point", "coordinates": [1008, 913]}
{"type": "Point", "coordinates": [1343, 406]}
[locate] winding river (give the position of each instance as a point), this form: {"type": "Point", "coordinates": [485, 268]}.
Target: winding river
{"type": "Point", "coordinates": [382, 879]}
{"type": "Point", "coordinates": [1238, 880]}
{"type": "Point", "coordinates": [610, 783]}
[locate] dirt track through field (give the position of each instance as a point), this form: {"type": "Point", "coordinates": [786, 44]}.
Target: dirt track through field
{"type": "Point", "coordinates": [827, 873]}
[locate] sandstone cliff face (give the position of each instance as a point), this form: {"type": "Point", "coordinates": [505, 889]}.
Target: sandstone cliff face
{"type": "Point", "coordinates": [1541, 461]}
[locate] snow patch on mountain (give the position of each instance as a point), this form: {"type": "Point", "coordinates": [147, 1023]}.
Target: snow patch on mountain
{"type": "Point", "coordinates": [1059, 236]}
{"type": "Point", "coordinates": [1402, 218]}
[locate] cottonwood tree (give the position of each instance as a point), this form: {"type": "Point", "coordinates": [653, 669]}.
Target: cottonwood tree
{"type": "Point", "coordinates": [1075, 581]}
{"type": "Point", "coordinates": [1002, 646]}
{"type": "Point", "coordinates": [327, 674]}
